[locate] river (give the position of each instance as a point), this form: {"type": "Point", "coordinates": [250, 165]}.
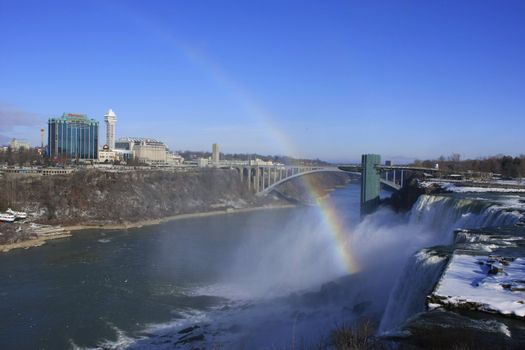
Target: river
{"type": "Point", "coordinates": [271, 278]}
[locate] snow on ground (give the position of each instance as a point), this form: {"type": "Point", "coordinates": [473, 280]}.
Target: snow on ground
{"type": "Point", "coordinates": [486, 283]}
{"type": "Point", "coordinates": [462, 189]}
{"type": "Point", "coordinates": [519, 181]}
{"type": "Point", "coordinates": [453, 187]}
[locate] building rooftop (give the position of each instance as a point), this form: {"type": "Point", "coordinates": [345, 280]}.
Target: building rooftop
{"type": "Point", "coordinates": [110, 113]}
{"type": "Point", "coordinates": [74, 118]}
{"type": "Point", "coordinates": [138, 139]}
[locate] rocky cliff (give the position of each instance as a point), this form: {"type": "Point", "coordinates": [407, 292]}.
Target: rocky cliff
{"type": "Point", "coordinates": [404, 199]}
{"type": "Point", "coordinates": [99, 197]}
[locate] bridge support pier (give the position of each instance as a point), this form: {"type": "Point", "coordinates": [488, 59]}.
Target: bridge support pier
{"type": "Point", "coordinates": [249, 179]}
{"type": "Point", "coordinates": [257, 182]}
{"type": "Point", "coordinates": [370, 183]}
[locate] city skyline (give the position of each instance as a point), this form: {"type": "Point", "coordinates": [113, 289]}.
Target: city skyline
{"type": "Point", "coordinates": [304, 79]}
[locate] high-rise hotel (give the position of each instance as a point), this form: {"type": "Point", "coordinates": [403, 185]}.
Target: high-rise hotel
{"type": "Point", "coordinates": [111, 119]}
{"type": "Point", "coordinates": [73, 136]}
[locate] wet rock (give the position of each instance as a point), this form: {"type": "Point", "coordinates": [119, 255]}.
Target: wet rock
{"type": "Point", "coordinates": [361, 307]}
{"type": "Point", "coordinates": [404, 199]}
{"type": "Point", "coordinates": [187, 340]}
{"type": "Point", "coordinates": [462, 330]}
{"type": "Point", "coordinates": [506, 286]}
{"type": "Point", "coordinates": [188, 329]}
{"type": "Point", "coordinates": [330, 290]}
{"type": "Point", "coordinates": [494, 270]}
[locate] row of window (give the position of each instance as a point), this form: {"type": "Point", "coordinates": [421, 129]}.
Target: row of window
{"type": "Point", "coordinates": [73, 140]}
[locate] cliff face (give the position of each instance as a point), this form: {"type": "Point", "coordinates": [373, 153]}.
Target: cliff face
{"type": "Point", "coordinates": [404, 199]}
{"type": "Point", "coordinates": [92, 196]}
{"type": "Point", "coordinates": [115, 197]}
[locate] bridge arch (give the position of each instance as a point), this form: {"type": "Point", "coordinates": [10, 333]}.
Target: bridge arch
{"type": "Point", "coordinates": [388, 184]}
{"type": "Point", "coordinates": [312, 171]}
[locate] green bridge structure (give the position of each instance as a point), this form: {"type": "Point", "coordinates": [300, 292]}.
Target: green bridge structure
{"type": "Point", "coordinates": [263, 179]}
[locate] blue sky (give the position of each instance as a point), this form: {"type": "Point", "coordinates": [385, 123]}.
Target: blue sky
{"type": "Point", "coordinates": [327, 79]}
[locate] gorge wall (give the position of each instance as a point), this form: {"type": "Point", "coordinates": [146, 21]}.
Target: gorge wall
{"type": "Point", "coordinates": [98, 197]}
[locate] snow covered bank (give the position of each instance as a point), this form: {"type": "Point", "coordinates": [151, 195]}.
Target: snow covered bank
{"type": "Point", "coordinates": [479, 300]}
{"type": "Point", "coordinates": [491, 283]}
{"type": "Point", "coordinates": [462, 187]}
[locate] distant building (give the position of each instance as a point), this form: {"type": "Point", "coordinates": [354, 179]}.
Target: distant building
{"type": "Point", "coordinates": [18, 144]}
{"type": "Point", "coordinates": [202, 162]}
{"type": "Point", "coordinates": [174, 159]}
{"type": "Point", "coordinates": [123, 154]}
{"type": "Point", "coordinates": [111, 120]}
{"type": "Point", "coordinates": [106, 155]}
{"type": "Point", "coordinates": [73, 136]}
{"type": "Point", "coordinates": [260, 162]}
{"type": "Point", "coordinates": [124, 147]}
{"type": "Point", "coordinates": [388, 163]}
{"type": "Point", "coordinates": [148, 151]}
{"type": "Point", "coordinates": [215, 154]}
{"type": "Point", "coordinates": [38, 171]}
{"type": "Point", "coordinates": [126, 143]}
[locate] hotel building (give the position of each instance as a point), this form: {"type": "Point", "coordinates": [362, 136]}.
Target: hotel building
{"type": "Point", "coordinates": [73, 136]}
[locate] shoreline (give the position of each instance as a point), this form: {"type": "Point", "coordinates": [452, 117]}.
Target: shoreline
{"type": "Point", "coordinates": [152, 222]}
{"type": "Point", "coordinates": [41, 240]}
{"type": "Point", "coordinates": [30, 243]}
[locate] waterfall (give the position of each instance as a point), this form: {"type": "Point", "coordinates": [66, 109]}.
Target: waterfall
{"type": "Point", "coordinates": [407, 298]}
{"type": "Point", "coordinates": [447, 213]}
{"type": "Point", "coordinates": [439, 215]}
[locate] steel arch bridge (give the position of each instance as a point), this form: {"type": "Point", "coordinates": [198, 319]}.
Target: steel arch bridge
{"type": "Point", "coordinates": [263, 179]}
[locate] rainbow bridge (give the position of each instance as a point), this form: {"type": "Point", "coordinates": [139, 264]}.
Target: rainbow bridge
{"type": "Point", "coordinates": [262, 179]}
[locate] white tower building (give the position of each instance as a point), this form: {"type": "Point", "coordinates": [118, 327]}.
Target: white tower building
{"type": "Point", "coordinates": [215, 155]}
{"type": "Point", "coordinates": [111, 119]}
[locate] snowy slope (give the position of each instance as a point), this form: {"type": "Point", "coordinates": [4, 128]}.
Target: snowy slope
{"type": "Point", "coordinates": [486, 283]}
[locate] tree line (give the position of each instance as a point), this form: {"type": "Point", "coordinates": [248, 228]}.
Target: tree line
{"type": "Point", "coordinates": [507, 166]}
{"type": "Point", "coordinates": [22, 156]}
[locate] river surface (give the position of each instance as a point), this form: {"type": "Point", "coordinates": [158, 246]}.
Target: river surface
{"type": "Point", "coordinates": [107, 287]}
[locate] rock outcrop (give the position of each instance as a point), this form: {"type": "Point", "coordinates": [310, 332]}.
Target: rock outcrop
{"type": "Point", "coordinates": [104, 197]}
{"type": "Point", "coordinates": [404, 199]}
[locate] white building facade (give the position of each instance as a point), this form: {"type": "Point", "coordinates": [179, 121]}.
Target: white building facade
{"type": "Point", "coordinates": [215, 154]}
{"type": "Point", "coordinates": [18, 144]}
{"type": "Point", "coordinates": [149, 151]}
{"type": "Point", "coordinates": [111, 120]}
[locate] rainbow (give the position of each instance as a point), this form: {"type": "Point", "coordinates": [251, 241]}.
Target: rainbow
{"type": "Point", "coordinates": [265, 121]}
{"type": "Point", "coordinates": [334, 223]}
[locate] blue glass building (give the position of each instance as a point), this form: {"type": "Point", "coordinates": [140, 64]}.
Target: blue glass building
{"type": "Point", "coordinates": [73, 136]}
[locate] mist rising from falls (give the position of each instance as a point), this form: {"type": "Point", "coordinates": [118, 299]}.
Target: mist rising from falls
{"type": "Point", "coordinates": [303, 256]}
{"type": "Point", "coordinates": [307, 254]}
